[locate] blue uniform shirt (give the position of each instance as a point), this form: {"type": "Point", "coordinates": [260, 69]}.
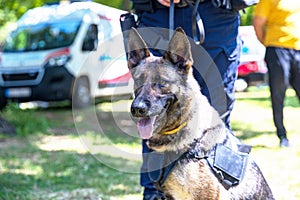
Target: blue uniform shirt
{"type": "Point", "coordinates": [220, 25]}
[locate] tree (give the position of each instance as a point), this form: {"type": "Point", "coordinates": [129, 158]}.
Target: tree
{"type": "Point", "coordinates": [13, 9]}
{"type": "Point", "coordinates": [246, 18]}
{"type": "Point", "coordinates": [126, 5]}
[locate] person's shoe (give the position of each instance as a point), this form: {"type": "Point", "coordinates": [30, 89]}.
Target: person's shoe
{"type": "Point", "coordinates": [153, 197]}
{"type": "Point", "coordinates": [284, 142]}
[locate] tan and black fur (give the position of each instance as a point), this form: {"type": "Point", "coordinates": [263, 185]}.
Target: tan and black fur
{"type": "Point", "coordinates": [167, 96]}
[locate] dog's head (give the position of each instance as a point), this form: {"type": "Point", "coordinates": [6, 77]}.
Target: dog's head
{"type": "Point", "coordinates": [161, 86]}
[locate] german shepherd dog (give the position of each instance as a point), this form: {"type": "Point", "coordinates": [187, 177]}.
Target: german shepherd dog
{"type": "Point", "coordinates": [174, 116]}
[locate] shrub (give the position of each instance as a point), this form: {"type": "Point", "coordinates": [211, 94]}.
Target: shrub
{"type": "Point", "coordinates": [27, 121]}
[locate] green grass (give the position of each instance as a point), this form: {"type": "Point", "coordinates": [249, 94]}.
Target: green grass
{"type": "Point", "coordinates": [27, 122]}
{"type": "Point", "coordinates": [252, 122]}
{"type": "Point", "coordinates": [29, 172]}
{"type": "Point", "coordinates": [96, 153]}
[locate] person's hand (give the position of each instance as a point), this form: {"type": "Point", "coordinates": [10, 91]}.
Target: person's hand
{"type": "Point", "coordinates": [167, 2]}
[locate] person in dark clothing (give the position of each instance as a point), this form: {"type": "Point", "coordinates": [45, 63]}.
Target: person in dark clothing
{"type": "Point", "coordinates": [277, 26]}
{"type": "Point", "coordinates": [221, 44]}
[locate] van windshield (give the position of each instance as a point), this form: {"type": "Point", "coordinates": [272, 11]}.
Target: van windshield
{"type": "Point", "coordinates": [42, 36]}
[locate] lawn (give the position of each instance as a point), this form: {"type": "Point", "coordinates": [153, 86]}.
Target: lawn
{"type": "Point", "coordinates": [96, 153]}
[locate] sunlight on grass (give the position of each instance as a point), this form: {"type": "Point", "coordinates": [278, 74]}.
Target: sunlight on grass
{"type": "Point", "coordinates": [99, 143]}
{"type": "Point", "coordinates": [59, 174]}
{"type": "Point", "coordinates": [77, 194]}
{"type": "Point", "coordinates": [118, 106]}
{"type": "Point", "coordinates": [25, 167]}
{"type": "Point", "coordinates": [252, 117]}
{"type": "Point", "coordinates": [281, 169]}
{"type": "Point", "coordinates": [252, 121]}
{"type": "Point", "coordinates": [127, 197]}
{"type": "Point", "coordinates": [61, 143]}
{"type": "Point", "coordinates": [90, 144]}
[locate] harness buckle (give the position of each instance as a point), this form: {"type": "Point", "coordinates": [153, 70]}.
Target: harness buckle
{"type": "Point", "coordinates": [220, 175]}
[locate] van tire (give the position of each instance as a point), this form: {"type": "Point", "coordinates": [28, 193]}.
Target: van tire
{"type": "Point", "coordinates": [3, 100]}
{"type": "Point", "coordinates": [81, 97]}
{"type": "Point", "coordinates": [3, 104]}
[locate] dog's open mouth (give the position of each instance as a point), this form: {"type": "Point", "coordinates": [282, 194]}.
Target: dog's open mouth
{"type": "Point", "coordinates": [146, 117]}
{"type": "Point", "coordinates": [145, 127]}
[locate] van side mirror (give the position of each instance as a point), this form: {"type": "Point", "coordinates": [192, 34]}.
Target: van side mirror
{"type": "Point", "coordinates": [90, 41]}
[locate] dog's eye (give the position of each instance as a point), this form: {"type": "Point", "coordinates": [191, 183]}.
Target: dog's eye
{"type": "Point", "coordinates": [159, 82]}
{"type": "Point", "coordinates": [162, 84]}
{"type": "Point", "coordinates": [157, 85]}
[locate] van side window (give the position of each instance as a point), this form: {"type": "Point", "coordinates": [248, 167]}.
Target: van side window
{"type": "Point", "coordinates": [90, 41]}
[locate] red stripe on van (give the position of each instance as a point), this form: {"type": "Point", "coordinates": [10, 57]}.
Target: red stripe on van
{"type": "Point", "coordinates": [119, 81]}
{"type": "Point", "coordinates": [65, 51]}
{"type": "Point", "coordinates": [104, 17]}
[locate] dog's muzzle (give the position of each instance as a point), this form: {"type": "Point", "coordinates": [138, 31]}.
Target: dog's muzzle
{"type": "Point", "coordinates": [140, 107]}
{"type": "Point", "coordinates": [146, 110]}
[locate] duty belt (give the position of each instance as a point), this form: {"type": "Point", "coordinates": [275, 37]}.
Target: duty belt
{"type": "Point", "coordinates": [197, 23]}
{"type": "Point", "coordinates": [181, 4]}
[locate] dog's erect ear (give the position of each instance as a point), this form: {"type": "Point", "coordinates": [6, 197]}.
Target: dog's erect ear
{"type": "Point", "coordinates": [137, 49]}
{"type": "Point", "coordinates": [179, 50]}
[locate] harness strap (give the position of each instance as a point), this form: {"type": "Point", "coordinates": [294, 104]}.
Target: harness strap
{"type": "Point", "coordinates": [171, 18]}
{"type": "Point", "coordinates": [228, 166]}
{"type": "Point", "coordinates": [197, 24]}
{"type": "Point", "coordinates": [161, 165]}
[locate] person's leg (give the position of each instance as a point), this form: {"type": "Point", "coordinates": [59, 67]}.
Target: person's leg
{"type": "Point", "coordinates": [295, 72]}
{"type": "Point", "coordinates": [277, 61]}
{"type": "Point", "coordinates": [218, 84]}
{"type": "Point", "coordinates": [228, 70]}
{"type": "Point", "coordinates": [150, 192]}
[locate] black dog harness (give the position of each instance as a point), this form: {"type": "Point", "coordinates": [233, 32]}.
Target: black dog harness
{"type": "Point", "coordinates": [227, 165]}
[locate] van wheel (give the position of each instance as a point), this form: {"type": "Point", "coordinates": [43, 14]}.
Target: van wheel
{"type": "Point", "coordinates": [3, 100]}
{"type": "Point", "coordinates": [81, 93]}
{"type": "Point", "coordinates": [3, 104]}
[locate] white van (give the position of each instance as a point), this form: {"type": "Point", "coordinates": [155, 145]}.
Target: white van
{"type": "Point", "coordinates": [65, 52]}
{"type": "Point", "coordinates": [252, 70]}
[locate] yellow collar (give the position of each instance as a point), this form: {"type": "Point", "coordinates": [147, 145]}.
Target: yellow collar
{"type": "Point", "coordinates": [175, 130]}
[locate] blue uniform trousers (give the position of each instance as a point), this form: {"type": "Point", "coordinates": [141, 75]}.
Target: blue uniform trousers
{"type": "Point", "coordinates": [216, 76]}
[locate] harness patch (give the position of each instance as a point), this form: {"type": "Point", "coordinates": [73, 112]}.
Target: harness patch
{"type": "Point", "coordinates": [228, 165]}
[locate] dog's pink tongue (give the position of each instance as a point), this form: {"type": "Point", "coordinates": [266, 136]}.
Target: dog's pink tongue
{"type": "Point", "coordinates": [145, 127]}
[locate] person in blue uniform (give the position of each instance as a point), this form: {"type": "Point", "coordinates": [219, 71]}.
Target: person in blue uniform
{"type": "Point", "coordinates": [222, 45]}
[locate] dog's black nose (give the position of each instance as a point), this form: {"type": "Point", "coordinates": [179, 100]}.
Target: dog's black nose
{"type": "Point", "coordinates": [139, 108]}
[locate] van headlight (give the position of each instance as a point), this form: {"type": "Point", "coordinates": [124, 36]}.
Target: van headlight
{"type": "Point", "coordinates": [58, 61]}
{"type": "Point", "coordinates": [58, 58]}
